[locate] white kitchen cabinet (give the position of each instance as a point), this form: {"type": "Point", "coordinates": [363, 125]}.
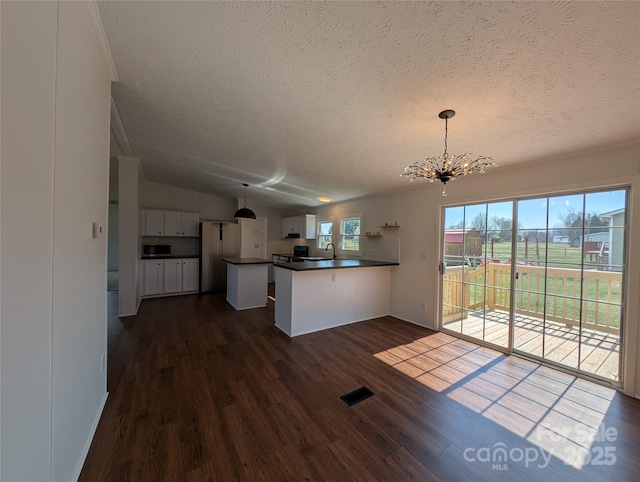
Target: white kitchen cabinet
{"type": "Point", "coordinates": [172, 275]}
{"type": "Point", "coordinates": [153, 222]}
{"type": "Point", "coordinates": [190, 274]}
{"type": "Point", "coordinates": [153, 274]}
{"type": "Point", "coordinates": [170, 223]}
{"type": "Point", "coordinates": [190, 224]}
{"type": "Point", "coordinates": [299, 226]}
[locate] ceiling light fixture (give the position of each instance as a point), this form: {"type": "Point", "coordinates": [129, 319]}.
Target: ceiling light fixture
{"type": "Point", "coordinates": [245, 212]}
{"type": "Point", "coordinates": [324, 199]}
{"type": "Point", "coordinates": [446, 167]}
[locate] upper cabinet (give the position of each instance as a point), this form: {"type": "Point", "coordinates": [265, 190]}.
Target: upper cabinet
{"type": "Point", "coordinates": [170, 223]}
{"type": "Point", "coordinates": [153, 223]}
{"type": "Point", "coordinates": [299, 227]}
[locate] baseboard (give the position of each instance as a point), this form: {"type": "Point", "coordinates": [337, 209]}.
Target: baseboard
{"type": "Point", "coordinates": [414, 322]}
{"type": "Point", "coordinates": [92, 433]}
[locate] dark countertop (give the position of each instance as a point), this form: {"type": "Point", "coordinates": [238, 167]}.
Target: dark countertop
{"type": "Point", "coordinates": [247, 261]}
{"type": "Point", "coordinates": [146, 258]}
{"type": "Point", "coordinates": [334, 264]}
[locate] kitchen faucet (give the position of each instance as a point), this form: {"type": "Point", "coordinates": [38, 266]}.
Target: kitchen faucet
{"type": "Point", "coordinates": [334, 249]}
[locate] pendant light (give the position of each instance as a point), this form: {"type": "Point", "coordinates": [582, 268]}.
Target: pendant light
{"type": "Point", "coordinates": [446, 167]}
{"type": "Point", "coordinates": [245, 212]}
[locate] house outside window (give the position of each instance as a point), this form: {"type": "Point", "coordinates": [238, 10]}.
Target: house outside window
{"type": "Point", "coordinates": [350, 233]}
{"type": "Point", "coordinates": [325, 233]}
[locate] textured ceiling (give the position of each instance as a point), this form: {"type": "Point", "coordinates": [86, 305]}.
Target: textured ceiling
{"type": "Point", "coordinates": [307, 99]}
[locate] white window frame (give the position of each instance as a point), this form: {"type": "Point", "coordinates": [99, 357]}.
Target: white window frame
{"type": "Point", "coordinates": [320, 237]}
{"type": "Point", "coordinates": [339, 246]}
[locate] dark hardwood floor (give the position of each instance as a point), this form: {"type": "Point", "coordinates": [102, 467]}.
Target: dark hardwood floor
{"type": "Point", "coordinates": [199, 391]}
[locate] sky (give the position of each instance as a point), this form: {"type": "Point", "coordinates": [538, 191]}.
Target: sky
{"type": "Point", "coordinates": [532, 213]}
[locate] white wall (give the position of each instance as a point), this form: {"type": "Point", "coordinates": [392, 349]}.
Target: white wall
{"type": "Point", "coordinates": [55, 134]}
{"type": "Point", "coordinates": [418, 212]}
{"type": "Point", "coordinates": [26, 194]}
{"type": "Point", "coordinates": [161, 196]}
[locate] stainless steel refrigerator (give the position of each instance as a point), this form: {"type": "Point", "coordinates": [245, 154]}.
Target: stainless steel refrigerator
{"type": "Point", "coordinates": [218, 240]}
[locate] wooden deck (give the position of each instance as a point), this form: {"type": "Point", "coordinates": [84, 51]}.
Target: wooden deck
{"type": "Point", "coordinates": [598, 354]}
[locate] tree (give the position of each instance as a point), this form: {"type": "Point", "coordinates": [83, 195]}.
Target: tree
{"type": "Point", "coordinates": [573, 221]}
{"type": "Point", "coordinates": [479, 223]}
{"type": "Point", "coordinates": [502, 226]}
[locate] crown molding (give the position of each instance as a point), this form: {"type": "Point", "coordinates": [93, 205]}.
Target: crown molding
{"type": "Point", "coordinates": [98, 28]}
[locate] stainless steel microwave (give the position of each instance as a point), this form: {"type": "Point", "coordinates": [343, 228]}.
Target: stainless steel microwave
{"type": "Point", "coordinates": [156, 250]}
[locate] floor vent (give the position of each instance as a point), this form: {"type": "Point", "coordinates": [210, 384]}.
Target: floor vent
{"type": "Point", "coordinates": [356, 396]}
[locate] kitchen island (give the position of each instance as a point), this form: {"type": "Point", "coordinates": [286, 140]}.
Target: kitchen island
{"type": "Point", "coordinates": [247, 282]}
{"type": "Point", "coordinates": [317, 295]}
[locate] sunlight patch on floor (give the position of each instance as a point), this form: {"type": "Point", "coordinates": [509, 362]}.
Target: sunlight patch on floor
{"type": "Point", "coordinates": [557, 412]}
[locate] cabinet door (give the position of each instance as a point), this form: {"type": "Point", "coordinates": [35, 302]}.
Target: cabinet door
{"type": "Point", "coordinates": [172, 275]}
{"type": "Point", "coordinates": [309, 226]}
{"type": "Point", "coordinates": [291, 225]}
{"type": "Point", "coordinates": [285, 227]}
{"type": "Point", "coordinates": [153, 223]}
{"type": "Point", "coordinates": [172, 223]}
{"type": "Point", "coordinates": [190, 224]}
{"type": "Point", "coordinates": [190, 274]}
{"type": "Point", "coordinates": [153, 274]}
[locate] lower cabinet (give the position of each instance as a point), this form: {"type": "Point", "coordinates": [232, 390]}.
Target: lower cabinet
{"type": "Point", "coordinates": [170, 276]}
{"type": "Point", "coordinates": [190, 274]}
{"type": "Point", "coordinates": [152, 276]}
{"type": "Point", "coordinates": [173, 275]}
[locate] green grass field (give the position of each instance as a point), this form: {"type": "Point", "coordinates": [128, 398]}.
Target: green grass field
{"type": "Point", "coordinates": [558, 254]}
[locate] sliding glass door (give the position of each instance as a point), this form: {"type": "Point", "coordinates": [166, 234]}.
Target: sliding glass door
{"type": "Point", "coordinates": [565, 255]}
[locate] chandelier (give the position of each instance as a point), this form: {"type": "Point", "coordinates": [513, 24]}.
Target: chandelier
{"type": "Point", "coordinates": [446, 167]}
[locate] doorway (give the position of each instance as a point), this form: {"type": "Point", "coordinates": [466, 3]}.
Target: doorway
{"type": "Point", "coordinates": [541, 277]}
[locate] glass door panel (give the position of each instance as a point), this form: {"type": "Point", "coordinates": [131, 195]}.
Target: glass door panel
{"type": "Point", "coordinates": [567, 286]}
{"type": "Point", "coordinates": [477, 275]}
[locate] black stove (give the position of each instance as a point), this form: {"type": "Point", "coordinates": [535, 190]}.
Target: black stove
{"type": "Point", "coordinates": [300, 251]}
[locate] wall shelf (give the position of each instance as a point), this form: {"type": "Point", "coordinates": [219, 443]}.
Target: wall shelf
{"type": "Point", "coordinates": [388, 226]}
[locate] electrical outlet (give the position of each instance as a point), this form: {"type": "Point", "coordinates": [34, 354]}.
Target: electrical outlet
{"type": "Point", "coordinates": [256, 246]}
{"type": "Point", "coordinates": [372, 252]}
{"type": "Point", "coordinates": [333, 278]}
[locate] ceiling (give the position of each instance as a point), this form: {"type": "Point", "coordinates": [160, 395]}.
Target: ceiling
{"type": "Point", "coordinates": [307, 99]}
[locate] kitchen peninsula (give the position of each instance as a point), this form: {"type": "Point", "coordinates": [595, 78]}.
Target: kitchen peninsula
{"type": "Point", "coordinates": [314, 296]}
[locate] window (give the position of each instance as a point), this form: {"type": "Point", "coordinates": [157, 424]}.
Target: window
{"type": "Point", "coordinates": [325, 233]}
{"type": "Point", "coordinates": [350, 233]}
